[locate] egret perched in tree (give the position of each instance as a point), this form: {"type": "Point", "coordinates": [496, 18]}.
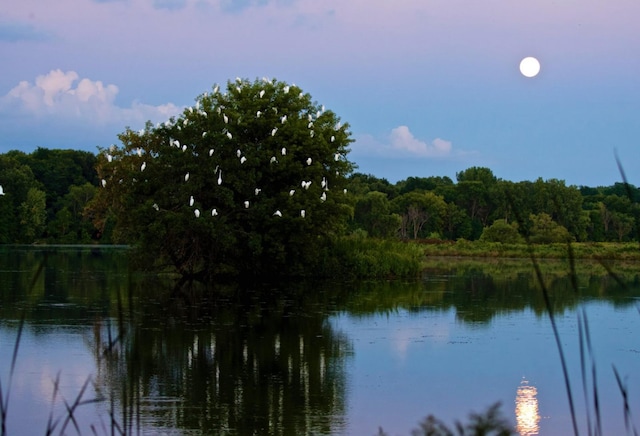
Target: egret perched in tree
{"type": "Point", "coordinates": [191, 201]}
{"type": "Point", "coordinates": [309, 160]}
{"type": "Point", "coordinates": [284, 151]}
{"type": "Point", "coordinates": [155, 206]}
{"type": "Point", "coordinates": [211, 152]}
{"type": "Point", "coordinates": [246, 204]}
{"type": "Point", "coordinates": [273, 132]}
{"type": "Point", "coordinates": [104, 183]}
{"type": "Point", "coordinates": [109, 158]}
{"type": "Point", "coordinates": [262, 93]}
{"type": "Point", "coordinates": [273, 159]}
{"type": "Point", "coordinates": [186, 177]}
{"type": "Point", "coordinates": [277, 213]}
{"type": "Point", "coordinates": [323, 197]}
{"type": "Point", "coordinates": [1, 190]}
{"type": "Point", "coordinates": [283, 119]}
{"type": "Point", "coordinates": [143, 166]}
{"type": "Point", "coordinates": [225, 118]}
{"type": "Point", "coordinates": [196, 212]}
{"type": "Point", "coordinates": [258, 114]}
{"type": "Point", "coordinates": [302, 213]}
{"type": "Point", "coordinates": [238, 153]}
{"type": "Point", "coordinates": [220, 178]}
{"type": "Point", "coordinates": [229, 135]}
{"type": "Point", "coordinates": [257, 191]}
{"type": "Point", "coordinates": [293, 191]}
{"type": "Point", "coordinates": [214, 212]}
{"type": "Point", "coordinates": [243, 159]}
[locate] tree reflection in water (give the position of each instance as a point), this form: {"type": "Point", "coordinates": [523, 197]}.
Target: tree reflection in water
{"type": "Point", "coordinates": [248, 362]}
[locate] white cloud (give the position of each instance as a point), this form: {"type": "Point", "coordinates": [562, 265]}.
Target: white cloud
{"type": "Point", "coordinates": [65, 95]}
{"type": "Point", "coordinates": [401, 143]}
{"type": "Point", "coordinates": [403, 140]}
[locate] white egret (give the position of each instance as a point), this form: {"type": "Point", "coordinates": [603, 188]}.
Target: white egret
{"type": "Point", "coordinates": [246, 204]}
{"type": "Point", "coordinates": [176, 143]}
{"type": "Point", "coordinates": [333, 138]}
{"type": "Point", "coordinates": [216, 89]}
{"type": "Point", "coordinates": [262, 93]}
{"type": "Point", "coordinates": [155, 206]}
{"type": "Point", "coordinates": [277, 213]}
{"type": "Point", "coordinates": [283, 151]}
{"type": "Point", "coordinates": [283, 119]}
{"type": "Point", "coordinates": [191, 201]}
{"type": "Point", "coordinates": [104, 184]}
{"type": "Point", "coordinates": [225, 118]}
{"type": "Point", "coordinates": [344, 190]}
{"type": "Point", "coordinates": [1, 190]}
{"type": "Point", "coordinates": [196, 213]}
{"type": "Point", "coordinates": [238, 153]}
{"type": "Point", "coordinates": [257, 191]}
{"type": "Point", "coordinates": [309, 117]}
{"type": "Point", "coordinates": [336, 157]}
{"type": "Point", "coordinates": [302, 213]}
{"type": "Point", "coordinates": [186, 177]}
{"type": "Point", "coordinates": [220, 178]}
{"type": "Point", "coordinates": [309, 160]}
{"type": "Point", "coordinates": [243, 159]}
{"type": "Point", "coordinates": [258, 114]}
{"type": "Point", "coordinates": [310, 125]}
{"type": "Point", "coordinates": [211, 152]}
{"type": "Point", "coordinates": [273, 159]}
{"type": "Point", "coordinates": [214, 212]}
{"type": "Point", "coordinates": [306, 184]}
{"type": "Point", "coordinates": [204, 134]}
{"type": "Point", "coordinates": [143, 166]}
{"type": "Point", "coordinates": [322, 108]}
{"type": "Point", "coordinates": [139, 152]}
{"type": "Point", "coordinates": [293, 191]}
{"type": "Point", "coordinates": [229, 135]}
{"type": "Point", "coordinates": [286, 89]}
{"type": "Point", "coordinates": [109, 158]}
{"type": "Point", "coordinates": [323, 183]}
{"type": "Point", "coordinates": [273, 132]}
{"type": "Point", "coordinates": [301, 95]}
{"type": "Point", "coordinates": [312, 133]}
{"type": "Point", "coordinates": [323, 197]}
{"type": "Point", "coordinates": [184, 148]}
{"type": "Point", "coordinates": [185, 122]}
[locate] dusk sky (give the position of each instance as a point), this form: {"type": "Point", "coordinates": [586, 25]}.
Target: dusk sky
{"type": "Point", "coordinates": [429, 87]}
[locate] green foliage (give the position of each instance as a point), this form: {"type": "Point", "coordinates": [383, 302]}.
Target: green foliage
{"type": "Point", "coordinates": [546, 231]}
{"type": "Point", "coordinates": [358, 256]}
{"type": "Point", "coordinates": [373, 214]}
{"type": "Point", "coordinates": [421, 212]}
{"type": "Point", "coordinates": [248, 181]}
{"type": "Point", "coordinates": [502, 231]}
{"type": "Point", "coordinates": [33, 213]}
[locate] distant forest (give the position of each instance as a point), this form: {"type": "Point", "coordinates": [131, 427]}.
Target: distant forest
{"type": "Point", "coordinates": [47, 198]}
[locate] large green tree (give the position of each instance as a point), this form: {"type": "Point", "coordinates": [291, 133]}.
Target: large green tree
{"type": "Point", "coordinates": [250, 180]}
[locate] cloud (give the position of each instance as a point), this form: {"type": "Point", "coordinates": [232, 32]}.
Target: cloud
{"type": "Point", "coordinates": [403, 140]}
{"type": "Point", "coordinates": [171, 5]}
{"type": "Point", "coordinates": [16, 31]}
{"type": "Point", "coordinates": [65, 95]}
{"type": "Point", "coordinates": [402, 144]}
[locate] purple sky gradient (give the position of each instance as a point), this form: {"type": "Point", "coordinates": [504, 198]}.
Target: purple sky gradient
{"type": "Point", "coordinates": [428, 87]}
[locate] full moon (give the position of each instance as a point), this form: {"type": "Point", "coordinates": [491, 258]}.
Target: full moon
{"type": "Point", "coordinates": [529, 67]}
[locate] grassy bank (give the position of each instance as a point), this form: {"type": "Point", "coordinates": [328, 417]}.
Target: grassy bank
{"type": "Point", "coordinates": [629, 251]}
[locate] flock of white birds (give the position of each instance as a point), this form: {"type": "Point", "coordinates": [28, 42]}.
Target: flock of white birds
{"type": "Point", "coordinates": [219, 110]}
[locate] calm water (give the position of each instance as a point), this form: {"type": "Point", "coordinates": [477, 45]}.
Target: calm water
{"type": "Point", "coordinates": [307, 358]}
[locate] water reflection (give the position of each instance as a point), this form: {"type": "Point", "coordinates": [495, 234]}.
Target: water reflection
{"type": "Point", "coordinates": [244, 359]}
{"type": "Point", "coordinates": [248, 364]}
{"type": "Point", "coordinates": [527, 415]}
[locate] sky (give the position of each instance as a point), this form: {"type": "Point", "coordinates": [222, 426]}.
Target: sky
{"type": "Point", "coordinates": [428, 87]}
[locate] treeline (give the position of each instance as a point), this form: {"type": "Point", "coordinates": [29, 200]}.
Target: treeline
{"type": "Point", "coordinates": [48, 199]}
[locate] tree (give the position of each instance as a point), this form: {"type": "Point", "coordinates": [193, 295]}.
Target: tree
{"type": "Point", "coordinates": [501, 231]}
{"type": "Point", "coordinates": [546, 231]}
{"type": "Point", "coordinates": [419, 210]}
{"type": "Point", "coordinates": [246, 181]}
{"type": "Point", "coordinates": [373, 214]}
{"type": "Point", "coordinates": [33, 214]}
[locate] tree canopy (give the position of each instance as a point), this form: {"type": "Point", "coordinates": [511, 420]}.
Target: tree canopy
{"type": "Point", "coordinates": [250, 180]}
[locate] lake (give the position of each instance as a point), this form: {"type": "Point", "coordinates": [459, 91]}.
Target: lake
{"type": "Point", "coordinates": [156, 357]}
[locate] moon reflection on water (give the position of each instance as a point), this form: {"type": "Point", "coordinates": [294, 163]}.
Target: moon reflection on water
{"type": "Point", "coordinates": [527, 415]}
